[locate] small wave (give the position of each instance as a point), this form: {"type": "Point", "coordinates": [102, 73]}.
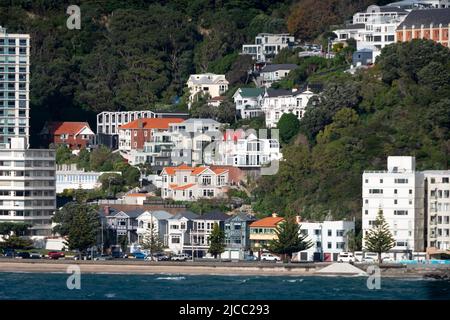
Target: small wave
{"type": "Point", "coordinates": [110, 295]}
{"type": "Point", "coordinates": [171, 278]}
{"type": "Point", "coordinates": [294, 280]}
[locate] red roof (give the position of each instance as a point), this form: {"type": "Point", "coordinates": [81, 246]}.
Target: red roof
{"type": "Point", "coordinates": [151, 123]}
{"type": "Point", "coordinates": [269, 222]}
{"type": "Point", "coordinates": [66, 127]}
{"type": "Point", "coordinates": [194, 170]}
{"type": "Point", "coordinates": [183, 187]}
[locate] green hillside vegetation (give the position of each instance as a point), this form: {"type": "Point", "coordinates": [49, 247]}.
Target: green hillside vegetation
{"type": "Point", "coordinates": [399, 107]}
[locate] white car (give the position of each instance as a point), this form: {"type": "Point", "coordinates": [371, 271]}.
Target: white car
{"type": "Point", "coordinates": [368, 259]}
{"type": "Point", "coordinates": [269, 257]}
{"type": "Point", "coordinates": [346, 257]}
{"type": "Point", "coordinates": [180, 257]}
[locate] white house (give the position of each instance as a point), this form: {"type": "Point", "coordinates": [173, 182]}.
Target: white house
{"type": "Point", "coordinates": [179, 232]}
{"type": "Point", "coordinates": [202, 228]}
{"type": "Point", "coordinates": [267, 46]}
{"type": "Point", "coordinates": [248, 102]}
{"type": "Point", "coordinates": [239, 150]}
{"type": "Point", "coordinates": [399, 193]}
{"type": "Point", "coordinates": [274, 72]}
{"type": "Point", "coordinates": [329, 238]}
{"type": "Point", "coordinates": [158, 220]}
{"type": "Point", "coordinates": [209, 84]}
{"type": "Point", "coordinates": [185, 183]}
{"type": "Point", "coordinates": [277, 102]}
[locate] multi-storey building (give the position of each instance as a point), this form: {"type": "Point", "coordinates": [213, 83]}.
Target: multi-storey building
{"type": "Point", "coordinates": [123, 223]}
{"type": "Point", "coordinates": [75, 135]}
{"type": "Point", "coordinates": [156, 220]}
{"type": "Point", "coordinates": [133, 134]}
{"type": "Point", "coordinates": [415, 4]}
{"type": "Point", "coordinates": [267, 46]}
{"type": "Point", "coordinates": [186, 183]}
{"type": "Point", "coordinates": [262, 231]}
{"type": "Point", "coordinates": [437, 208]}
{"type": "Point", "coordinates": [14, 86]}
{"type": "Point", "coordinates": [27, 186]}
{"type": "Point", "coordinates": [201, 231]}
{"type": "Point", "coordinates": [274, 72]}
{"type": "Point", "coordinates": [237, 236]}
{"type": "Point", "coordinates": [212, 85]}
{"type": "Point", "coordinates": [432, 24]}
{"type": "Point", "coordinates": [277, 102]}
{"type": "Point", "coordinates": [399, 194]}
{"type": "Point", "coordinates": [179, 232]}
{"type": "Point", "coordinates": [248, 102]}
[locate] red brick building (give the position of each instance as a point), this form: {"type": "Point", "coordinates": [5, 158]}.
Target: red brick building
{"type": "Point", "coordinates": [75, 135]}
{"type": "Point", "coordinates": [432, 24]}
{"type": "Point", "coordinates": [133, 134]}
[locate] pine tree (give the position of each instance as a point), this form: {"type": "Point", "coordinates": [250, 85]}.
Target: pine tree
{"type": "Point", "coordinates": [216, 241]}
{"type": "Point", "coordinates": [289, 239]}
{"type": "Point", "coordinates": [152, 240]}
{"type": "Point", "coordinates": [379, 239]}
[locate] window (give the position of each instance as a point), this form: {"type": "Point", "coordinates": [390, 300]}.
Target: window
{"type": "Point", "coordinates": [175, 240]}
{"type": "Point", "coordinates": [366, 211]}
{"type": "Point", "coordinates": [445, 180]}
{"type": "Point", "coordinates": [381, 180]}
{"type": "Point", "coordinates": [329, 245]}
{"type": "Point", "coordinates": [318, 244]}
{"type": "Point", "coordinates": [317, 232]}
{"type": "Point", "coordinates": [400, 212]}
{"type": "Point", "coordinates": [395, 191]}
{"type": "Point", "coordinates": [410, 191]}
{"type": "Point", "coordinates": [340, 233]}
{"type": "Point", "coordinates": [329, 234]}
{"type": "Point", "coordinates": [376, 191]}
{"type": "Point", "coordinates": [401, 180]}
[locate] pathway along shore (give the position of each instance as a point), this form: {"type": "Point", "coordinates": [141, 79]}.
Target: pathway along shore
{"type": "Point", "coordinates": [204, 268]}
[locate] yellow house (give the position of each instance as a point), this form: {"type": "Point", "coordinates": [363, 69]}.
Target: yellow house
{"type": "Point", "coordinates": [263, 230]}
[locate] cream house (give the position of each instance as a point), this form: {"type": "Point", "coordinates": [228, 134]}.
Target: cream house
{"type": "Point", "coordinates": [209, 84]}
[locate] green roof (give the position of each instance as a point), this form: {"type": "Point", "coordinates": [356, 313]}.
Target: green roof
{"type": "Point", "coordinates": [251, 92]}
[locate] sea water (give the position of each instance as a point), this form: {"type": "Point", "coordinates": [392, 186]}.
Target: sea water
{"type": "Point", "coordinates": [178, 286]}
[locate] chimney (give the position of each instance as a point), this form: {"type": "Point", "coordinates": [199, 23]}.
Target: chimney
{"type": "Point", "coordinates": [106, 210]}
{"type": "Point", "coordinates": [274, 215]}
{"type": "Point", "coordinates": [140, 123]}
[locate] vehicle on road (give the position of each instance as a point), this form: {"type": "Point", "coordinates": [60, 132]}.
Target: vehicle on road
{"type": "Point", "coordinates": [368, 259]}
{"type": "Point", "coordinates": [180, 257]}
{"type": "Point", "coordinates": [250, 258]}
{"type": "Point", "coordinates": [103, 257]}
{"type": "Point", "coordinates": [139, 255]}
{"type": "Point", "coordinates": [35, 255]}
{"type": "Point", "coordinates": [10, 253]}
{"type": "Point", "coordinates": [346, 257]}
{"type": "Point", "coordinates": [161, 257]}
{"type": "Point", "coordinates": [55, 255]}
{"type": "Point", "coordinates": [269, 257]}
{"type": "Point", "coordinates": [23, 255]}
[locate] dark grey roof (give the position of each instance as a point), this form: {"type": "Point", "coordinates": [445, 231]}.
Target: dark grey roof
{"type": "Point", "coordinates": [242, 216]}
{"type": "Point", "coordinates": [278, 92]}
{"type": "Point", "coordinates": [392, 9]}
{"type": "Point", "coordinates": [214, 215]}
{"type": "Point", "coordinates": [275, 67]}
{"type": "Point", "coordinates": [185, 214]}
{"type": "Point", "coordinates": [426, 17]}
{"type": "Point", "coordinates": [131, 213]}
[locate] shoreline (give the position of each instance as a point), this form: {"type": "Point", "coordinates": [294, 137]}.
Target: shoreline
{"type": "Point", "coordinates": [141, 268]}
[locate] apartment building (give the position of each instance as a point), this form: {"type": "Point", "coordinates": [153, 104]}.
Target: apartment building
{"type": "Point", "coordinates": [210, 84]}
{"type": "Point", "coordinates": [74, 135]}
{"type": "Point", "coordinates": [133, 135]}
{"type": "Point", "coordinates": [27, 186]}
{"type": "Point", "coordinates": [399, 193]}
{"type": "Point", "coordinates": [14, 86]}
{"type": "Point", "coordinates": [248, 102]}
{"type": "Point", "coordinates": [186, 183]}
{"type": "Point", "coordinates": [437, 208]}
{"type": "Point", "coordinates": [420, 4]}
{"type": "Point", "coordinates": [432, 24]}
{"type": "Point", "coordinates": [267, 46]}
{"type": "Point", "coordinates": [277, 102]}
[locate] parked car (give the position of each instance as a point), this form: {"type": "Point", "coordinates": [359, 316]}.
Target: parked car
{"type": "Point", "coordinates": [35, 255]}
{"type": "Point", "coordinates": [368, 259]}
{"type": "Point", "coordinates": [269, 257]}
{"type": "Point", "coordinates": [104, 257]}
{"type": "Point", "coordinates": [180, 257]}
{"type": "Point", "coordinates": [23, 255]}
{"type": "Point", "coordinates": [387, 259]}
{"type": "Point", "coordinates": [10, 253]}
{"type": "Point", "coordinates": [161, 257]}
{"type": "Point", "coordinates": [346, 257]}
{"type": "Point", "coordinates": [139, 255]}
{"type": "Point", "coordinates": [250, 258]}
{"type": "Point", "coordinates": [118, 255]}
{"type": "Point", "coordinates": [55, 255]}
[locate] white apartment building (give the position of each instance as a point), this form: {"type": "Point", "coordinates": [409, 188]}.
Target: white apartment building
{"type": "Point", "coordinates": [14, 86]}
{"type": "Point", "coordinates": [108, 122]}
{"type": "Point", "coordinates": [27, 186]}
{"type": "Point", "coordinates": [420, 4]}
{"type": "Point", "coordinates": [274, 72]}
{"type": "Point", "coordinates": [278, 102]}
{"type": "Point", "coordinates": [399, 193]}
{"type": "Point", "coordinates": [329, 238]}
{"type": "Point", "coordinates": [248, 102]}
{"type": "Point", "coordinates": [267, 46]}
{"type": "Point", "coordinates": [210, 84]}
{"type": "Point", "coordinates": [70, 177]}
{"type": "Point", "coordinates": [437, 207]}
{"type": "Point", "coordinates": [179, 232]}
{"type": "Point", "coordinates": [185, 183]}
{"type": "Point", "coordinates": [158, 220]}
{"type": "Point", "coordinates": [373, 29]}
{"type": "Point", "coordinates": [239, 150]}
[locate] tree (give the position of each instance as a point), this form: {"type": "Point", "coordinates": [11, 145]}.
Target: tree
{"type": "Point", "coordinates": [79, 223]}
{"type": "Point", "coordinates": [353, 240]}
{"type": "Point", "coordinates": [379, 239]}
{"type": "Point", "coordinates": [216, 241]}
{"type": "Point", "coordinates": [112, 183]}
{"type": "Point", "coordinates": [289, 126]}
{"type": "Point", "coordinates": [63, 154]}
{"type": "Point", "coordinates": [152, 241]}
{"type": "Point", "coordinates": [288, 239]}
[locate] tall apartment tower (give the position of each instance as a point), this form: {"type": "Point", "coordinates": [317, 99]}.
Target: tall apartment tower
{"type": "Point", "coordinates": [14, 86]}
{"type": "Point", "coordinates": [399, 193]}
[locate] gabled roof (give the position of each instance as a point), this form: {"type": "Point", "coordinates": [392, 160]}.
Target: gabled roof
{"type": "Point", "coordinates": [214, 215]}
{"type": "Point", "coordinates": [185, 214]}
{"type": "Point", "coordinates": [269, 222]}
{"type": "Point", "coordinates": [193, 170]}
{"type": "Point", "coordinates": [426, 17]}
{"type": "Point", "coordinates": [130, 213]}
{"type": "Point", "coordinates": [276, 67]}
{"type": "Point", "coordinates": [250, 92]}
{"type": "Point", "coordinates": [207, 78]}
{"type": "Point", "coordinates": [183, 187]}
{"type": "Point", "coordinates": [151, 123]}
{"type": "Point", "coordinates": [242, 216]}
{"type": "Point", "coordinates": [67, 127]}
{"type": "Point", "coordinates": [159, 214]}
{"type": "Point", "coordinates": [278, 92]}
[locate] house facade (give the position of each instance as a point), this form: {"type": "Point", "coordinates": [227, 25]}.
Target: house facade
{"type": "Point", "coordinates": [274, 72]}
{"type": "Point", "coordinates": [185, 183]}
{"type": "Point", "coordinates": [179, 232]}
{"type": "Point", "coordinates": [74, 135]}
{"type": "Point", "coordinates": [156, 222]}
{"type": "Point", "coordinates": [248, 102]}
{"type": "Point", "coordinates": [210, 84]}
{"type": "Point", "coordinates": [263, 231]}
{"type": "Point", "coordinates": [123, 223]}
{"type": "Point", "coordinates": [432, 24]}
{"type": "Point", "coordinates": [237, 236]}
{"type": "Point", "coordinates": [277, 102]}
{"type": "Point", "coordinates": [267, 46]}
